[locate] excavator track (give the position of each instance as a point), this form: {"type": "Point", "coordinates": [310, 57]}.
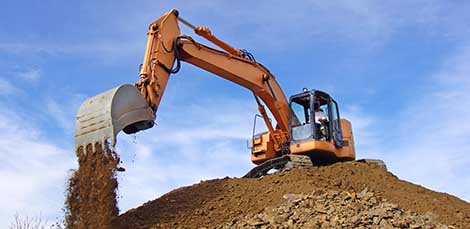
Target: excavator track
{"type": "Point", "coordinates": [280, 163]}
{"type": "Point", "coordinates": [293, 161]}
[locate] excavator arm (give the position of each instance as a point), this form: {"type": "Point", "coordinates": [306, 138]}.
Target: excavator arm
{"type": "Point", "coordinates": [166, 48]}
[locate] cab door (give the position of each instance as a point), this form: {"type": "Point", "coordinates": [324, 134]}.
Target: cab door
{"type": "Point", "coordinates": [301, 117]}
{"type": "Point", "coordinates": [335, 124]}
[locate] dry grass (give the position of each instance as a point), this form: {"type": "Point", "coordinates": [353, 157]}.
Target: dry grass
{"type": "Point", "coordinates": [27, 222]}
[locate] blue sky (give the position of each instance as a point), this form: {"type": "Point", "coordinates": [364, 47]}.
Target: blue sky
{"type": "Point", "coordinates": [399, 69]}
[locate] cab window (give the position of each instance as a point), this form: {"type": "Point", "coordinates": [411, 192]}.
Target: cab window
{"type": "Point", "coordinates": [301, 123]}
{"type": "Point", "coordinates": [300, 114]}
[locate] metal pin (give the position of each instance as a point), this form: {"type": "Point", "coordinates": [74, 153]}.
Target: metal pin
{"type": "Point", "coordinates": [187, 23]}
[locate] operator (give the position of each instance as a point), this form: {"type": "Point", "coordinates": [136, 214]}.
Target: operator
{"type": "Point", "coordinates": [320, 122]}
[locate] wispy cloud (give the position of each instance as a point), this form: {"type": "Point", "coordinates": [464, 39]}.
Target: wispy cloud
{"type": "Point", "coordinates": [432, 140]}
{"type": "Point", "coordinates": [426, 142]}
{"type": "Point", "coordinates": [104, 51]}
{"type": "Point", "coordinates": [367, 135]}
{"type": "Point", "coordinates": [31, 75]}
{"type": "Point", "coordinates": [57, 113]}
{"type": "Point", "coordinates": [7, 88]}
{"type": "Point", "coordinates": [33, 170]}
{"type": "Point", "coordinates": [368, 24]}
{"type": "Point", "coordinates": [63, 116]}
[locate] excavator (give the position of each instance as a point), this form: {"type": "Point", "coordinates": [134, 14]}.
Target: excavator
{"type": "Point", "coordinates": [308, 130]}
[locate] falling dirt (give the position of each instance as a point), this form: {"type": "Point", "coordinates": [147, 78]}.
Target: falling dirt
{"type": "Point", "coordinates": [91, 192]}
{"type": "Point", "coordinates": [214, 203]}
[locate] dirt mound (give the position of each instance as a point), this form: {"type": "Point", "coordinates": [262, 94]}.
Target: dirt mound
{"type": "Point", "coordinates": [216, 202]}
{"type": "Point", "coordinates": [91, 197]}
{"type": "Point", "coordinates": [334, 209]}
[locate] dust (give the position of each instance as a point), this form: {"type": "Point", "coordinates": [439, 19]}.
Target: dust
{"type": "Point", "coordinates": [91, 193]}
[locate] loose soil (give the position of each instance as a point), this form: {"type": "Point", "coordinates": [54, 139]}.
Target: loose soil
{"type": "Point", "coordinates": [214, 203]}
{"type": "Point", "coordinates": [91, 193]}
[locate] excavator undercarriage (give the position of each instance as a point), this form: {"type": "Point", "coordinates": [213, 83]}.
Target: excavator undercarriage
{"type": "Point", "coordinates": [287, 162]}
{"type": "Point", "coordinates": [280, 164]}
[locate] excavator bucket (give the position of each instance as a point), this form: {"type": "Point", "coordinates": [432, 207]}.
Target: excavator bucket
{"type": "Point", "coordinates": [101, 117]}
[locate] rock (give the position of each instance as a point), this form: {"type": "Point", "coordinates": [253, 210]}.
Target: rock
{"type": "Point", "coordinates": [384, 224]}
{"type": "Point", "coordinates": [255, 222]}
{"type": "Point", "coordinates": [278, 219]}
{"type": "Point", "coordinates": [292, 197]}
{"type": "Point", "coordinates": [376, 220]}
{"type": "Point", "coordinates": [362, 193]}
{"type": "Point", "coordinates": [373, 201]}
{"type": "Point", "coordinates": [333, 209]}
{"type": "Point", "coordinates": [460, 215]}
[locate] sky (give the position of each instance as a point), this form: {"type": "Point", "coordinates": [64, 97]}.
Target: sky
{"type": "Point", "coordinates": [400, 71]}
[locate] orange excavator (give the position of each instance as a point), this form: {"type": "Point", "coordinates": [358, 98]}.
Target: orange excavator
{"type": "Point", "coordinates": [308, 127]}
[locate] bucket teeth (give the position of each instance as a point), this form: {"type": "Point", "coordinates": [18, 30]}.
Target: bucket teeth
{"type": "Point", "coordinates": [101, 117]}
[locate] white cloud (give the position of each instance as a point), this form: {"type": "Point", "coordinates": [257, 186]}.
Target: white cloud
{"type": "Point", "coordinates": [7, 88]}
{"type": "Point", "coordinates": [33, 172]}
{"type": "Point", "coordinates": [31, 75]}
{"type": "Point", "coordinates": [432, 147]}
{"type": "Point", "coordinates": [367, 139]}
{"type": "Point", "coordinates": [64, 109]}
{"type": "Point", "coordinates": [99, 50]}
{"type": "Point", "coordinates": [58, 113]}
{"type": "Point", "coordinates": [368, 24]}
{"type": "Point", "coordinates": [206, 120]}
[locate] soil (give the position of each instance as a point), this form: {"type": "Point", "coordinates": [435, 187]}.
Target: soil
{"type": "Point", "coordinates": [91, 193]}
{"type": "Point", "coordinates": [213, 203]}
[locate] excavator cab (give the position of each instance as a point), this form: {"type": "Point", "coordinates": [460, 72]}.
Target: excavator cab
{"type": "Point", "coordinates": [318, 136]}
{"type": "Point", "coordinates": [317, 130]}
{"type": "Point", "coordinates": [314, 115]}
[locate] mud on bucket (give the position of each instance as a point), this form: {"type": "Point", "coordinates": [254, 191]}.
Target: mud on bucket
{"type": "Point", "coordinates": [101, 117]}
